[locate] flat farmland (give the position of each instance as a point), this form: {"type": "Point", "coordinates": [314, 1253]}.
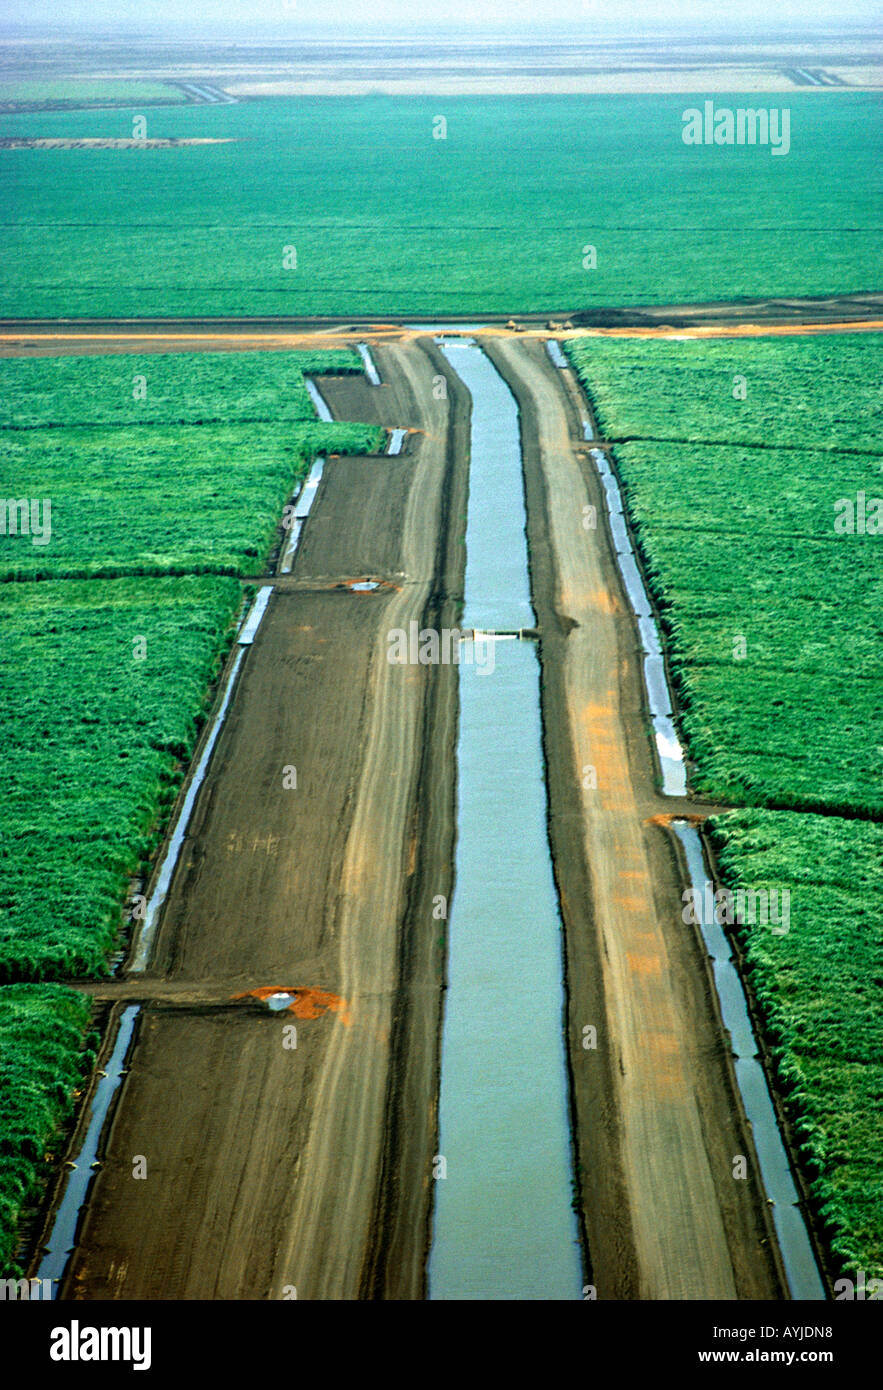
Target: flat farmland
{"type": "Point", "coordinates": [164, 465]}
{"type": "Point", "coordinates": [740, 539]}
{"type": "Point", "coordinates": [193, 232]}
{"type": "Point", "coordinates": [103, 689]}
{"type": "Point", "coordinates": [351, 206]}
{"type": "Point", "coordinates": [819, 990]}
{"type": "Point", "coordinates": [45, 1058]}
{"type": "Point", "coordinates": [749, 470]}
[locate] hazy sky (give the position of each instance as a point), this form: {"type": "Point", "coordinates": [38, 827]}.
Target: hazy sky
{"type": "Point", "coordinates": [280, 16]}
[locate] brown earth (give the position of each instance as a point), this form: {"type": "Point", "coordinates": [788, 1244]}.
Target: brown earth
{"type": "Point", "coordinates": [862, 312]}
{"type": "Point", "coordinates": [271, 1166]}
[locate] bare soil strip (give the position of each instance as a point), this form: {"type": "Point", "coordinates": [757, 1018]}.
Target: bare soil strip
{"type": "Point", "coordinates": [270, 1167]}
{"type": "Point", "coordinates": [658, 1117]}
{"type": "Point", "coordinates": [757, 317]}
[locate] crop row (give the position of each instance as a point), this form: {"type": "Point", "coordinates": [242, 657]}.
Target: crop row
{"type": "Point", "coordinates": [807, 392]}
{"type": "Point", "coordinates": [102, 689]}
{"type": "Point", "coordinates": [185, 471]}
{"type": "Point", "coordinates": [774, 620]}
{"type": "Point", "coordinates": [155, 499]}
{"type": "Point", "coordinates": [42, 1030]}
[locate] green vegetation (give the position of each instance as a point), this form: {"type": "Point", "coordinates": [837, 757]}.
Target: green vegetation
{"type": "Point", "coordinates": [777, 675]}
{"type": "Point", "coordinates": [75, 92]}
{"type": "Point", "coordinates": [41, 1043]}
{"type": "Point", "coordinates": [774, 627]}
{"type": "Point", "coordinates": [95, 741]}
{"type": "Point", "coordinates": [152, 500]}
{"type": "Point", "coordinates": [819, 989]}
{"type": "Point", "coordinates": [173, 388]}
{"type": "Point", "coordinates": [802, 392]}
{"type": "Point", "coordinates": [385, 219]}
{"type": "Point", "coordinates": [162, 487]}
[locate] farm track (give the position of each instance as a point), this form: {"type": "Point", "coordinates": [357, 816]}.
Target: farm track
{"type": "Point", "coordinates": [270, 1167]}
{"type": "Point", "coordinates": [854, 313]}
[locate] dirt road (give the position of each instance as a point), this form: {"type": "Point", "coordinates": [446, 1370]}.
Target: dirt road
{"type": "Point", "coordinates": [658, 1116]}
{"type": "Point", "coordinates": [272, 1167]}
{"type": "Point", "coordinates": [850, 313]}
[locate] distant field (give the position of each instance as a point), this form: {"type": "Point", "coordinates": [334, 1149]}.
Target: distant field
{"type": "Point", "coordinates": [819, 988]}
{"type": "Point", "coordinates": [385, 219]}
{"type": "Point", "coordinates": [774, 623]}
{"type": "Point", "coordinates": [157, 485]}
{"type": "Point", "coordinates": [72, 90]}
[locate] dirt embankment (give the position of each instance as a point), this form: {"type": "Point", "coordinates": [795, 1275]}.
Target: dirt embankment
{"type": "Point", "coordinates": [861, 312]}
{"type": "Point", "coordinates": [279, 1161]}
{"type": "Point", "coordinates": [657, 1113]}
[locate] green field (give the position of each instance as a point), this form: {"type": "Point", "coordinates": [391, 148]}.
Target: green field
{"type": "Point", "coordinates": [386, 219]}
{"type": "Point", "coordinates": [41, 1042]}
{"type": "Point", "coordinates": [804, 392]}
{"type": "Point", "coordinates": [819, 988]}
{"type": "Point", "coordinates": [81, 91]}
{"type": "Point", "coordinates": [96, 740]}
{"type": "Point", "coordinates": [165, 388]}
{"type": "Point", "coordinates": [778, 676]}
{"type": "Point", "coordinates": [774, 628]}
{"type": "Point", "coordinates": [162, 487]}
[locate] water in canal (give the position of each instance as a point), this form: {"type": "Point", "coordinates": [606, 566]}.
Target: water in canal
{"type": "Point", "coordinates": [504, 1226]}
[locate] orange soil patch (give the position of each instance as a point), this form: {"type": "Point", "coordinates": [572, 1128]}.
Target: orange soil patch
{"type": "Point", "coordinates": [666, 819]}
{"type": "Point", "coordinates": [309, 1002]}
{"type": "Point", "coordinates": [603, 601]}
{"type": "Point", "coordinates": [643, 965]}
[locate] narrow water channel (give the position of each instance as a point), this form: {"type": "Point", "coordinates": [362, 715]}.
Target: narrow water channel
{"type": "Point", "coordinates": [62, 1238]}
{"type": "Point", "coordinates": [504, 1226]}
